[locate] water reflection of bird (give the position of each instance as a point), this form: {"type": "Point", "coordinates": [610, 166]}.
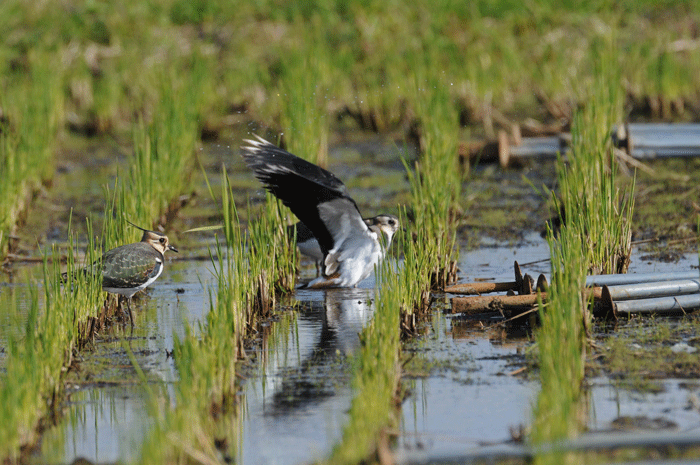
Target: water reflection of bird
{"type": "Point", "coordinates": [350, 246]}
{"type": "Point", "coordinates": [329, 332]}
{"type": "Point", "coordinates": [130, 268]}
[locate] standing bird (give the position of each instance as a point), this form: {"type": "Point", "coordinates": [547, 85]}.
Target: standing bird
{"type": "Point", "coordinates": [130, 268]}
{"type": "Point", "coordinates": [350, 246]}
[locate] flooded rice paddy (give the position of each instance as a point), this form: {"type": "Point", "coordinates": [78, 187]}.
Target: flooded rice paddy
{"type": "Point", "coordinates": [469, 383]}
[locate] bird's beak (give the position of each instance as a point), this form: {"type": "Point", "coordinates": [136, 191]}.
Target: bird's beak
{"type": "Point", "coordinates": [170, 247]}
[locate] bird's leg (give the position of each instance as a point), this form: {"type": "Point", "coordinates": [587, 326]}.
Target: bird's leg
{"type": "Point", "coordinates": [120, 307]}
{"type": "Point", "coordinates": [131, 315]}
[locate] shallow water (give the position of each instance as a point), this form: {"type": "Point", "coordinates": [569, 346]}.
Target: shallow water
{"type": "Point", "coordinates": [464, 400]}
{"type": "Point", "coordinates": [468, 401]}
{"type": "Point", "coordinates": [106, 415]}
{"type": "Point", "coordinates": [674, 407]}
{"type": "Point", "coordinates": [294, 401]}
{"type": "Point", "coordinates": [462, 403]}
{"type": "Point", "coordinates": [297, 394]}
{"type": "Point", "coordinates": [103, 424]}
{"type": "Point", "coordinates": [297, 399]}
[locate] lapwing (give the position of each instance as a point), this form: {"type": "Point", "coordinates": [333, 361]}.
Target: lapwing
{"type": "Point", "coordinates": [130, 268]}
{"type": "Point", "coordinates": [350, 247]}
{"type": "Point", "coordinates": [308, 244]}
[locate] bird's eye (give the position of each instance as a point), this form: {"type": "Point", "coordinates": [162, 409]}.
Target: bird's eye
{"type": "Point", "coordinates": [391, 222]}
{"type": "Point", "coordinates": [161, 240]}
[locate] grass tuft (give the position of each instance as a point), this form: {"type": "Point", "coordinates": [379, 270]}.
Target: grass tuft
{"type": "Point", "coordinates": [436, 183]}
{"type": "Point", "coordinates": [594, 237]}
{"type": "Point", "coordinates": [273, 257]}
{"type": "Point", "coordinates": [201, 423]}
{"type": "Point", "coordinates": [38, 355]}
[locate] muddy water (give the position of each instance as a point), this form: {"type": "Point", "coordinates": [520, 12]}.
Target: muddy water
{"type": "Point", "coordinates": [466, 392]}
{"type": "Point", "coordinates": [294, 400]}
{"type": "Point", "coordinates": [467, 398]}
{"type": "Point", "coordinates": [297, 398]}
{"type": "Point", "coordinates": [106, 413]}
{"type": "Point", "coordinates": [671, 409]}
{"type": "Point", "coordinates": [466, 403]}
{"type": "Point", "coordinates": [297, 392]}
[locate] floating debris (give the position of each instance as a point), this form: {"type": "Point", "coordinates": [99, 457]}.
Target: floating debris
{"type": "Point", "coordinates": [672, 305]}
{"type": "Point", "coordinates": [642, 141]}
{"type": "Point", "coordinates": [524, 285]}
{"type": "Point", "coordinates": [633, 278]}
{"type": "Point", "coordinates": [648, 290]}
{"type": "Point", "coordinates": [658, 140]}
{"type": "Point", "coordinates": [613, 295]}
{"type": "Point", "coordinates": [520, 285]}
{"type": "Point", "coordinates": [507, 303]}
{"type": "Point", "coordinates": [530, 147]}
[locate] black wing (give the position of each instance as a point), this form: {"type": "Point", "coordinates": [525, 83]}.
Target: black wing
{"type": "Point", "coordinates": [316, 196]}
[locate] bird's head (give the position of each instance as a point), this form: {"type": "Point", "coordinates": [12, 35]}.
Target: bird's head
{"type": "Point", "coordinates": [387, 224]}
{"type": "Point", "coordinates": [158, 241]}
